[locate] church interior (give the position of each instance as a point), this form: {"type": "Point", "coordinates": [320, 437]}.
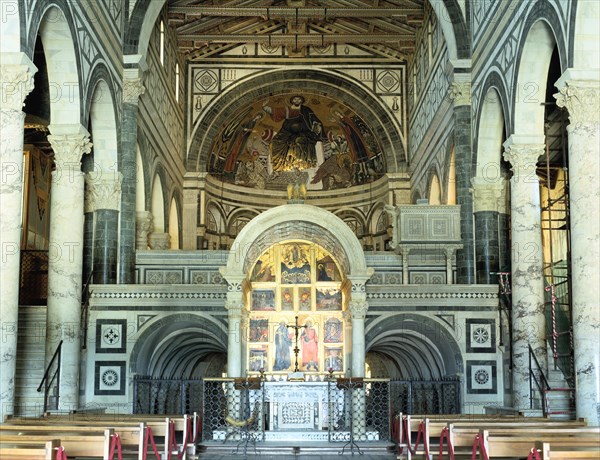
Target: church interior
{"type": "Point", "coordinates": [301, 220]}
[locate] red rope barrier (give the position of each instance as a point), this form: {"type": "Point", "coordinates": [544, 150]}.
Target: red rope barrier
{"type": "Point", "coordinates": [115, 443]}
{"type": "Point", "coordinates": [185, 439]}
{"type": "Point", "coordinates": [446, 435]}
{"type": "Point", "coordinates": [61, 454]}
{"type": "Point", "coordinates": [149, 436]}
{"type": "Point", "coordinates": [420, 434]}
{"type": "Point", "coordinates": [478, 444]}
{"type": "Point", "coordinates": [534, 455]}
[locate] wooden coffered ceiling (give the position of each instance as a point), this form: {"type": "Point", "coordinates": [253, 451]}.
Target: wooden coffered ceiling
{"type": "Point", "coordinates": [384, 28]}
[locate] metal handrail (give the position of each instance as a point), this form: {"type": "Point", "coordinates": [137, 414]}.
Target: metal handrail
{"type": "Point", "coordinates": [538, 383]}
{"type": "Point", "coordinates": [47, 382]}
{"type": "Point", "coordinates": [85, 304]}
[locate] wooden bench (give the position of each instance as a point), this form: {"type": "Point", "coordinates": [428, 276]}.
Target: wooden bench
{"type": "Point", "coordinates": [89, 444]}
{"type": "Point", "coordinates": [558, 449]}
{"type": "Point", "coordinates": [28, 449]}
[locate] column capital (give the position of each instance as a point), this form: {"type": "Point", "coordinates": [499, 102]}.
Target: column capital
{"type": "Point", "coordinates": [133, 88]}
{"type": "Point", "coordinates": [143, 226]}
{"type": "Point", "coordinates": [104, 191]}
{"type": "Point", "coordinates": [160, 241]}
{"type": "Point", "coordinates": [579, 93]}
{"type": "Point", "coordinates": [234, 308]}
{"type": "Point", "coordinates": [69, 143]}
{"type": "Point", "coordinates": [485, 194]}
{"type": "Point", "coordinates": [460, 92]}
{"type": "Point", "coordinates": [16, 80]}
{"type": "Point", "coordinates": [358, 309]}
{"type": "Point", "coordinates": [523, 152]}
{"type": "Point", "coordinates": [359, 281]}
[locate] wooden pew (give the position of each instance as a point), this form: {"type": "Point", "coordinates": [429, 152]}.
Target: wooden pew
{"type": "Point", "coordinates": [28, 449]}
{"type": "Point", "coordinates": [89, 444]}
{"type": "Point", "coordinates": [520, 445]}
{"type": "Point", "coordinates": [570, 449]}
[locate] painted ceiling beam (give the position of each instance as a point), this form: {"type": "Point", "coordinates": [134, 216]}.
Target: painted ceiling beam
{"type": "Point", "coordinates": [402, 40]}
{"type": "Point", "coordinates": [291, 13]}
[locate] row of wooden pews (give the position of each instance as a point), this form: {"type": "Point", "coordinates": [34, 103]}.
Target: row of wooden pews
{"type": "Point", "coordinates": [105, 436]}
{"type": "Point", "coordinates": [494, 436]}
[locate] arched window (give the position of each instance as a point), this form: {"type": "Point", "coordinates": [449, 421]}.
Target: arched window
{"type": "Point", "coordinates": [162, 42]}
{"type": "Point", "coordinates": [177, 82]}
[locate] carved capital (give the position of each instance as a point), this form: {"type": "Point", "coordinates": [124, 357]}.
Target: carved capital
{"type": "Point", "coordinates": [103, 191]}
{"type": "Point", "coordinates": [581, 99]}
{"type": "Point", "coordinates": [459, 92]}
{"type": "Point", "coordinates": [133, 88]}
{"type": "Point", "coordinates": [523, 158]}
{"type": "Point", "coordinates": [69, 148]}
{"type": "Point", "coordinates": [16, 82]}
{"type": "Point", "coordinates": [143, 227]}
{"type": "Point", "coordinates": [358, 309]}
{"type": "Point", "coordinates": [160, 241]}
{"type": "Point", "coordinates": [234, 308]}
{"type": "Point", "coordinates": [485, 194]}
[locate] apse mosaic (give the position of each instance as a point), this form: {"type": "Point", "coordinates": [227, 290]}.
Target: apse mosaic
{"type": "Point", "coordinates": [296, 138]}
{"type": "Point", "coordinates": [296, 299]}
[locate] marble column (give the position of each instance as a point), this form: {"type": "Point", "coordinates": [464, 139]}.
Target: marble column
{"type": "Point", "coordinates": [580, 94]}
{"type": "Point", "coordinates": [132, 90]}
{"type": "Point", "coordinates": [528, 321]}
{"type": "Point", "coordinates": [404, 251]}
{"type": "Point", "coordinates": [234, 306]}
{"type": "Point", "coordinates": [460, 93]}
{"type": "Point", "coordinates": [358, 307]}
{"type": "Point", "coordinates": [143, 227]}
{"type": "Point", "coordinates": [69, 143]}
{"type": "Point", "coordinates": [450, 252]}
{"type": "Point", "coordinates": [106, 192]}
{"type": "Point", "coordinates": [16, 82]}
{"type": "Point", "coordinates": [487, 251]}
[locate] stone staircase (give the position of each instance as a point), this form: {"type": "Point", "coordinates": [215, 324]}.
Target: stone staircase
{"type": "Point", "coordinates": [30, 361]}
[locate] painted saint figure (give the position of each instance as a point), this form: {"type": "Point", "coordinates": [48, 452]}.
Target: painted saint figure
{"type": "Point", "coordinates": [239, 143]}
{"type": "Point", "coordinates": [310, 347]}
{"type": "Point", "coordinates": [294, 144]}
{"type": "Point", "coordinates": [283, 343]}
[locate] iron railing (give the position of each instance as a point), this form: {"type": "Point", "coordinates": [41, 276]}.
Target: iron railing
{"type": "Point", "coordinates": [51, 379]}
{"type": "Point", "coordinates": [166, 396]}
{"type": "Point", "coordinates": [537, 379]}
{"type": "Point", "coordinates": [85, 310]}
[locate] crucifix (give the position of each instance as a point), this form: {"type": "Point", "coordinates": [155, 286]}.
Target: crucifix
{"type": "Point", "coordinates": [296, 327]}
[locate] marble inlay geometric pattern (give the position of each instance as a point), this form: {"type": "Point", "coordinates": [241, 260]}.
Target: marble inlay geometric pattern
{"type": "Point", "coordinates": [481, 377]}
{"type": "Point", "coordinates": [111, 336]}
{"type": "Point", "coordinates": [481, 335]}
{"type": "Point", "coordinates": [109, 378]}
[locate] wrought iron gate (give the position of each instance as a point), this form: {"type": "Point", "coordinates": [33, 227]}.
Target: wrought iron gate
{"type": "Point", "coordinates": [425, 396]}
{"type": "Point", "coordinates": [166, 396]}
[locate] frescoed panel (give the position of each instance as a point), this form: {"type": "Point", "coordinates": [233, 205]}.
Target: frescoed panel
{"type": "Point", "coordinates": [284, 342]}
{"type": "Point", "coordinates": [327, 269]}
{"type": "Point", "coordinates": [295, 264]}
{"type": "Point", "coordinates": [259, 330]}
{"type": "Point", "coordinates": [333, 331]}
{"type": "Point", "coordinates": [287, 299]}
{"type": "Point", "coordinates": [305, 299]}
{"type": "Point", "coordinates": [258, 358]}
{"type": "Point", "coordinates": [334, 359]}
{"type": "Point", "coordinates": [263, 300]}
{"type": "Point", "coordinates": [309, 346]}
{"type": "Point", "coordinates": [329, 299]}
{"type": "Point", "coordinates": [264, 269]}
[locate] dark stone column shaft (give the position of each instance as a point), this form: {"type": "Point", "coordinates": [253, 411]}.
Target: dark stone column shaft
{"type": "Point", "coordinates": [127, 166]}
{"type": "Point", "coordinates": [465, 270]}
{"type": "Point", "coordinates": [504, 242]}
{"type": "Point", "coordinates": [105, 246]}
{"type": "Point", "coordinates": [487, 259]}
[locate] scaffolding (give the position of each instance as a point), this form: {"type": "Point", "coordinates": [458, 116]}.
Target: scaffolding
{"type": "Point", "coordinates": [554, 193]}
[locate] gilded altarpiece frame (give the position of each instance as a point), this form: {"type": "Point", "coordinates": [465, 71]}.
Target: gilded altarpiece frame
{"type": "Point", "coordinates": [296, 280]}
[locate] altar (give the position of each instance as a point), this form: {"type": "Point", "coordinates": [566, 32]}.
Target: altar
{"type": "Point", "coordinates": [297, 405]}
